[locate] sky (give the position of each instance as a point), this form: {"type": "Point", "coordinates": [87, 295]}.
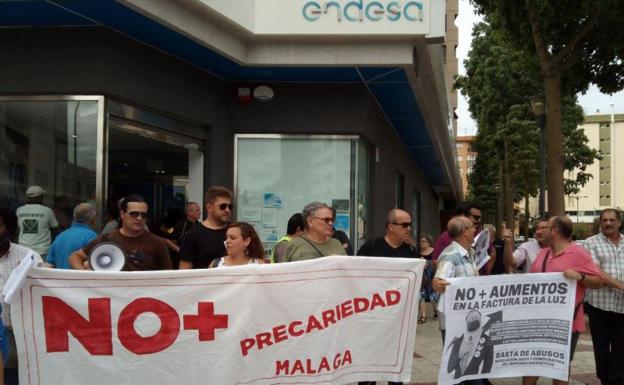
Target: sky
{"type": "Point", "coordinates": [591, 102]}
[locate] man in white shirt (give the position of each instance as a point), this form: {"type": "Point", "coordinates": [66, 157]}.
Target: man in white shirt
{"type": "Point", "coordinates": [36, 222]}
{"type": "Point", "coordinates": [10, 256]}
{"type": "Point", "coordinates": [524, 256]}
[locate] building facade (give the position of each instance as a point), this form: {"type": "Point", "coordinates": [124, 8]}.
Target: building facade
{"type": "Point", "coordinates": [346, 106]}
{"type": "Point", "coordinates": [450, 54]}
{"type": "Point", "coordinates": [606, 188]}
{"type": "Point", "coordinates": [466, 158]}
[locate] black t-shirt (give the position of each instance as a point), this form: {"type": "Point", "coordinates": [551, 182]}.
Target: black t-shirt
{"type": "Point", "coordinates": [181, 229]}
{"type": "Point", "coordinates": [201, 245]}
{"type": "Point", "coordinates": [378, 247]}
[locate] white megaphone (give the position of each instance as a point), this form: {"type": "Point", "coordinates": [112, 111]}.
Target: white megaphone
{"type": "Point", "coordinates": [107, 256]}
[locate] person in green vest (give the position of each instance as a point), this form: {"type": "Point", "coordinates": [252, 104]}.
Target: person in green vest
{"type": "Point", "coordinates": [294, 229]}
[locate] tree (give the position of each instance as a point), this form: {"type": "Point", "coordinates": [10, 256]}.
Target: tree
{"type": "Point", "coordinates": [575, 43]}
{"type": "Point", "coordinates": [500, 79]}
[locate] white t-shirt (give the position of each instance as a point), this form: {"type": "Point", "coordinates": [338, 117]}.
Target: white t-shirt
{"type": "Point", "coordinates": [8, 263]}
{"type": "Point", "coordinates": [526, 254]}
{"type": "Point", "coordinates": [35, 222]}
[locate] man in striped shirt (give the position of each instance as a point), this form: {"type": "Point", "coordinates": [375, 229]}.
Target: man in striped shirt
{"type": "Point", "coordinates": [606, 305]}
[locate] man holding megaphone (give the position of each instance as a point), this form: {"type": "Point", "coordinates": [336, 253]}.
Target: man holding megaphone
{"type": "Point", "coordinates": [139, 249]}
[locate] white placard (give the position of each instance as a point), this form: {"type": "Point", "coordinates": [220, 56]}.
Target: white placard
{"type": "Point", "coordinates": [332, 320]}
{"type": "Point", "coordinates": [507, 326]}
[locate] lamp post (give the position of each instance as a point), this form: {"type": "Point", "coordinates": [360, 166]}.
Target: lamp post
{"type": "Point", "coordinates": [538, 106]}
{"type": "Point", "coordinates": [578, 197]}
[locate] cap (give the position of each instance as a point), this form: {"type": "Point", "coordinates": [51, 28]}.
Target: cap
{"type": "Point", "coordinates": [34, 191]}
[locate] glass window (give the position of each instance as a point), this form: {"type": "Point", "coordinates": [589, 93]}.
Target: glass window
{"type": "Point", "coordinates": [277, 176]}
{"type": "Point", "coordinates": [52, 144]}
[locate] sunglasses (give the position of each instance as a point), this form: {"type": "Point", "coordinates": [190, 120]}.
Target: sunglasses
{"type": "Point", "coordinates": [326, 220]}
{"type": "Point", "coordinates": [223, 206]}
{"type": "Point", "coordinates": [138, 214]}
{"type": "Point", "coordinates": [405, 225]}
{"type": "Point", "coordinates": [476, 217]}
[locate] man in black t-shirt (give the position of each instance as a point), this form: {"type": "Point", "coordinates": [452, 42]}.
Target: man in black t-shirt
{"type": "Point", "coordinates": [205, 241]}
{"type": "Point", "coordinates": [397, 242]}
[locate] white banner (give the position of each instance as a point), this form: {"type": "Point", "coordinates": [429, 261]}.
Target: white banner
{"type": "Point", "coordinates": [332, 320]}
{"type": "Point", "coordinates": [507, 326]}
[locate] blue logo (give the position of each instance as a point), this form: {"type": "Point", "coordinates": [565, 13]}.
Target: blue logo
{"type": "Point", "coordinates": [361, 10]}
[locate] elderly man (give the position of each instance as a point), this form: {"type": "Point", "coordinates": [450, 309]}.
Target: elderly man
{"type": "Point", "coordinates": [464, 209]}
{"type": "Point", "coordinates": [576, 264]}
{"type": "Point", "coordinates": [205, 241]}
{"type": "Point", "coordinates": [316, 242]}
{"type": "Point", "coordinates": [456, 260]}
{"type": "Point", "coordinates": [606, 306]}
{"type": "Point", "coordinates": [142, 249]}
{"type": "Point", "coordinates": [524, 256]}
{"type": "Point", "coordinates": [37, 222]}
{"type": "Point", "coordinates": [76, 237]}
{"type": "Point", "coordinates": [397, 242]}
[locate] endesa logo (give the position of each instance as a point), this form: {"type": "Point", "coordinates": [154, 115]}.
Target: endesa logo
{"type": "Point", "coordinates": [361, 10]}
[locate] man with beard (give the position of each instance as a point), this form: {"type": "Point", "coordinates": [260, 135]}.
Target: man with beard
{"type": "Point", "coordinates": [205, 241]}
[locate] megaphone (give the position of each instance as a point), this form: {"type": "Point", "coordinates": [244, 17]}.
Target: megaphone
{"type": "Point", "coordinates": [107, 256]}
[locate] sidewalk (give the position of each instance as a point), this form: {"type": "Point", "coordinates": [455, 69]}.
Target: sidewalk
{"type": "Point", "coordinates": [428, 351]}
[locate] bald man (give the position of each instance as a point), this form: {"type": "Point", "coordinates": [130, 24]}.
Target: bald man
{"type": "Point", "coordinates": [397, 242]}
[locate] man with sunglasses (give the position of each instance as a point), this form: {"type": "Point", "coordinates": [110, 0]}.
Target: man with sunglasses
{"type": "Point", "coordinates": [205, 241]}
{"type": "Point", "coordinates": [397, 242]}
{"type": "Point", "coordinates": [142, 249]}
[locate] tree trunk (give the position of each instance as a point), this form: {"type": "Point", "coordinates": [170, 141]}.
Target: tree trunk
{"type": "Point", "coordinates": [507, 191]}
{"type": "Point", "coordinates": [527, 216]}
{"type": "Point", "coordinates": [554, 144]}
{"type": "Point", "coordinates": [499, 201]}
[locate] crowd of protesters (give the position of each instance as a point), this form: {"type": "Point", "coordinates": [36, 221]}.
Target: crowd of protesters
{"type": "Point", "coordinates": [217, 242]}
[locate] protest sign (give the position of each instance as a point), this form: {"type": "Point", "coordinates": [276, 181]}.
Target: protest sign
{"type": "Point", "coordinates": [507, 326]}
{"type": "Point", "coordinates": [331, 320]}
{"type": "Point", "coordinates": [481, 245]}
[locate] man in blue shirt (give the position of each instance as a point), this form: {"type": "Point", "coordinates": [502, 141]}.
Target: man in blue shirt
{"type": "Point", "coordinates": [75, 238]}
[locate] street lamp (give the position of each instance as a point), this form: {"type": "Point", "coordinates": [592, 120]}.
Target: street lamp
{"type": "Point", "coordinates": [538, 106]}
{"type": "Point", "coordinates": [578, 197]}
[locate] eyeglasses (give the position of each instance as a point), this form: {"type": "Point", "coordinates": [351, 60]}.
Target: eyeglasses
{"type": "Point", "coordinates": [405, 225]}
{"type": "Point", "coordinates": [477, 218]}
{"type": "Point", "coordinates": [138, 214]}
{"type": "Point", "coordinates": [223, 206]}
{"type": "Point", "coordinates": [326, 220]}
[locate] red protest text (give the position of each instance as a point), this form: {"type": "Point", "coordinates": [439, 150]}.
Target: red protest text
{"type": "Point", "coordinates": [319, 322]}
{"type": "Point", "coordinates": [309, 366]}
{"type": "Point", "coordinates": [95, 333]}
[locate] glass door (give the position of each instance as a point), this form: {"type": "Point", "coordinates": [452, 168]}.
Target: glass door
{"type": "Point", "coordinates": [165, 168]}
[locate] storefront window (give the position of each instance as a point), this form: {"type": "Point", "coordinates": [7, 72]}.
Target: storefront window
{"type": "Point", "coordinates": [277, 176]}
{"type": "Point", "coordinates": [52, 144]}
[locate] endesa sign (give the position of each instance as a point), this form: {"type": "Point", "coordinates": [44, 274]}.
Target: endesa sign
{"type": "Point", "coordinates": [333, 320]}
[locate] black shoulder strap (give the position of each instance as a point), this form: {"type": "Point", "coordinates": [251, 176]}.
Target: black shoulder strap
{"type": "Point", "coordinates": [315, 248]}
